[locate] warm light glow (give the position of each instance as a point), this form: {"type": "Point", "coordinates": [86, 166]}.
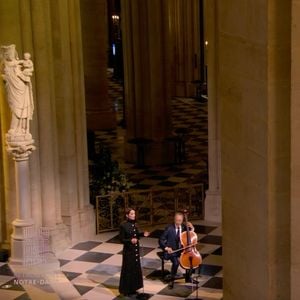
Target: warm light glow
{"type": "Point", "coordinates": [206, 43]}
{"type": "Point", "coordinates": [115, 17]}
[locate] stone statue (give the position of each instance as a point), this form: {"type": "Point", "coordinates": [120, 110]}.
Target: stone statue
{"type": "Point", "coordinates": [16, 74]}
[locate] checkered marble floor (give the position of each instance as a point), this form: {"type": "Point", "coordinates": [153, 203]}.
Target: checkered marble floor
{"type": "Point", "coordinates": [91, 270]}
{"type": "Point", "coordinates": [186, 113]}
{"type": "Point", "coordinates": [93, 267]}
{"type": "Point", "coordinates": [9, 288]}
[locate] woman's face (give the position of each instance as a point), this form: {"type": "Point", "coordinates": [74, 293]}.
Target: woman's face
{"type": "Point", "coordinates": [131, 215]}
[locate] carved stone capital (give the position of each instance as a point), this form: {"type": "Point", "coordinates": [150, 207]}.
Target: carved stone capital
{"type": "Point", "coordinates": [20, 146]}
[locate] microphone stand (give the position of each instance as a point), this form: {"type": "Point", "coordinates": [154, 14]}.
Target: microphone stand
{"type": "Point", "coordinates": [197, 287]}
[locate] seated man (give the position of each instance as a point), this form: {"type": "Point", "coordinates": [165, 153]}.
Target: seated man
{"type": "Point", "coordinates": [170, 241]}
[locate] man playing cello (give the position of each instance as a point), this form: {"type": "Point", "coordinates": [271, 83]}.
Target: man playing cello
{"type": "Point", "coordinates": [170, 242]}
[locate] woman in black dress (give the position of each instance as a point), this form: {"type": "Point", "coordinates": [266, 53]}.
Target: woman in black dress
{"type": "Point", "coordinates": [131, 274]}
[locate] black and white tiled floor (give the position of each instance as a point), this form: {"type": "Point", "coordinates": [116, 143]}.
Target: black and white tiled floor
{"type": "Point", "coordinates": [91, 270]}
{"type": "Point", "coordinates": [93, 267]}
{"type": "Point", "coordinates": [9, 286]}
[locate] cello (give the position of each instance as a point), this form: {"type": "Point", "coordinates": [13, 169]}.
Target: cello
{"type": "Point", "coordinates": [190, 257]}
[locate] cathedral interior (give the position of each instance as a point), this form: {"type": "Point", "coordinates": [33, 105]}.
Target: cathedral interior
{"type": "Point", "coordinates": [163, 106]}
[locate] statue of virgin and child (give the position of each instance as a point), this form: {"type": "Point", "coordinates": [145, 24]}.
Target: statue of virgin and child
{"type": "Point", "coordinates": [16, 74]}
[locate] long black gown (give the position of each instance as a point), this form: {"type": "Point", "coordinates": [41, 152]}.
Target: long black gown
{"type": "Point", "coordinates": [131, 274]}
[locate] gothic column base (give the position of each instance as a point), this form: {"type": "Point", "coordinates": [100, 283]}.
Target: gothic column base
{"type": "Point", "coordinates": [50, 263]}
{"type": "Point", "coordinates": [36, 277]}
{"type": "Point", "coordinates": [60, 238]}
{"type": "Point", "coordinates": [23, 231]}
{"type": "Point", "coordinates": [82, 224]}
{"type": "Point", "coordinates": [213, 206]}
{"type": "Point", "coordinates": [29, 247]}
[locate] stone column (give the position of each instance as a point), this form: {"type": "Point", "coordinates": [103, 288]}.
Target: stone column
{"type": "Point", "coordinates": [186, 46]}
{"type": "Point", "coordinates": [99, 108]}
{"type": "Point", "coordinates": [295, 152]}
{"type": "Point", "coordinates": [66, 102]}
{"type": "Point", "coordinates": [23, 225]}
{"type": "Point", "coordinates": [147, 62]}
{"type": "Point", "coordinates": [213, 202]}
{"type": "Point", "coordinates": [7, 176]}
{"type": "Point", "coordinates": [8, 35]}
{"type": "Point", "coordinates": [254, 89]}
{"type": "Point", "coordinates": [79, 107]}
{"type": "Point", "coordinates": [46, 112]}
{"type": "Point", "coordinates": [4, 234]}
{"type": "Point", "coordinates": [27, 45]}
{"type": "Point", "coordinates": [78, 213]}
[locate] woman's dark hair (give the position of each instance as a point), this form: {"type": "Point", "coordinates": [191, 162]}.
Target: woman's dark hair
{"type": "Point", "coordinates": [128, 210]}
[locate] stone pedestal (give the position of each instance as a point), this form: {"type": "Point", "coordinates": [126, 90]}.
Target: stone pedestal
{"type": "Point", "coordinates": [81, 224]}
{"type": "Point", "coordinates": [20, 147]}
{"type": "Point", "coordinates": [60, 238]}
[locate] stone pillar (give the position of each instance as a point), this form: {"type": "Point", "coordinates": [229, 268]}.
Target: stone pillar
{"type": "Point", "coordinates": [8, 35]}
{"type": "Point", "coordinates": [74, 214]}
{"type": "Point", "coordinates": [295, 152]}
{"type": "Point", "coordinates": [213, 202]}
{"type": "Point", "coordinates": [186, 43]}
{"type": "Point", "coordinates": [78, 213]}
{"type": "Point", "coordinates": [23, 225]}
{"type": "Point", "coordinates": [46, 86]}
{"type": "Point", "coordinates": [147, 62]}
{"type": "Point", "coordinates": [254, 89]}
{"type": "Point", "coordinates": [46, 115]}
{"type": "Point", "coordinates": [35, 172]}
{"type": "Point", "coordinates": [79, 108]}
{"type": "Point", "coordinates": [99, 108]}
{"type": "Point", "coordinates": [3, 167]}
{"type": "Point", "coordinates": [7, 175]}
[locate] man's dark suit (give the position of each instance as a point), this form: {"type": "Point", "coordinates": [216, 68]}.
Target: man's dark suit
{"type": "Point", "coordinates": [169, 239]}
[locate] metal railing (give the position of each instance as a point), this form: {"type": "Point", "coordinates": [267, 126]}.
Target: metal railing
{"type": "Point", "coordinates": [153, 206]}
